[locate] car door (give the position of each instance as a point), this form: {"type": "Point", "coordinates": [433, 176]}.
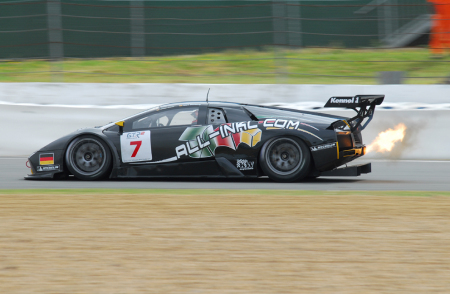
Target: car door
{"type": "Point", "coordinates": [238, 139]}
{"type": "Point", "coordinates": [172, 135]}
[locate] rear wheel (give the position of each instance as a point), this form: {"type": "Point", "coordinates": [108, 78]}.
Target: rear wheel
{"type": "Point", "coordinates": [285, 159]}
{"type": "Point", "coordinates": [88, 158]}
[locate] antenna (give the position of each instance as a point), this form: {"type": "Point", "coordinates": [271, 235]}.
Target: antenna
{"type": "Point", "coordinates": [207, 95]}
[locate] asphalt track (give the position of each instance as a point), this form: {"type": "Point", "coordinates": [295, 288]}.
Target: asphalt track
{"type": "Point", "coordinates": [407, 175]}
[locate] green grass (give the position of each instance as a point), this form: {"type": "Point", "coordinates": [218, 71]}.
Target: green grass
{"type": "Point", "coordinates": [213, 192]}
{"type": "Point", "coordinates": [243, 67]}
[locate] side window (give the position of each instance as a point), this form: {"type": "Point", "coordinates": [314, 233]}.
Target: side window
{"type": "Point", "coordinates": [170, 117]}
{"type": "Point", "coordinates": [187, 116]}
{"type": "Point", "coordinates": [266, 112]}
{"type": "Point", "coordinates": [236, 114]}
{"type": "Point", "coordinates": [216, 116]}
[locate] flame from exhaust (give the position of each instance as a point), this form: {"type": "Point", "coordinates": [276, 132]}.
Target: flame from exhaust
{"type": "Point", "coordinates": [386, 140]}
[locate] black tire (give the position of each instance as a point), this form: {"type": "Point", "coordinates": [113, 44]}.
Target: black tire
{"type": "Point", "coordinates": [88, 158]}
{"type": "Point", "coordinates": [285, 159]}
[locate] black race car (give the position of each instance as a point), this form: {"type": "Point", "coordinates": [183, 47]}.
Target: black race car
{"type": "Point", "coordinates": [214, 139]}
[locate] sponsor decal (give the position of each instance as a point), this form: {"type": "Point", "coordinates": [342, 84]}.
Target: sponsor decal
{"type": "Point", "coordinates": [202, 141]}
{"type": "Point", "coordinates": [276, 124]}
{"type": "Point", "coordinates": [244, 164]}
{"type": "Point", "coordinates": [281, 124]}
{"type": "Point", "coordinates": [344, 100]}
{"type": "Point", "coordinates": [136, 146]}
{"type": "Point", "coordinates": [322, 147]}
{"type": "Point", "coordinates": [134, 135]}
{"type": "Point", "coordinates": [46, 158]}
{"type": "Point", "coordinates": [310, 126]}
{"type": "Point", "coordinates": [47, 168]}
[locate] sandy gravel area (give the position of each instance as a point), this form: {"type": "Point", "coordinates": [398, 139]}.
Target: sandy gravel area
{"type": "Point", "coordinates": [159, 243]}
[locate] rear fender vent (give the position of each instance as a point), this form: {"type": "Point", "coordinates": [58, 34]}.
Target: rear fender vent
{"type": "Point", "coordinates": [357, 138]}
{"type": "Point", "coordinates": [345, 141]}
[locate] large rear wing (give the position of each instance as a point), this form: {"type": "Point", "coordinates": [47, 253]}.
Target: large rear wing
{"type": "Point", "coordinates": [364, 105]}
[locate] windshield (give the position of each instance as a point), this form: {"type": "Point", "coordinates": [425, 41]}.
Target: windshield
{"type": "Point", "coordinates": [142, 112]}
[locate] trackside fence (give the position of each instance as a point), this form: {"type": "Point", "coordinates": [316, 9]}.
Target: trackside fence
{"type": "Point", "coordinates": [59, 30]}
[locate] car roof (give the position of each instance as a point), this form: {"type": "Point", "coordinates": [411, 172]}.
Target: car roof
{"type": "Point", "coordinates": [236, 104]}
{"type": "Point", "coordinates": [225, 104]}
{"type": "Point", "coordinates": [210, 103]}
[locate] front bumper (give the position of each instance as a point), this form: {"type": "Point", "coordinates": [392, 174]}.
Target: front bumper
{"type": "Point", "coordinates": [47, 176]}
{"type": "Point", "coordinates": [45, 170]}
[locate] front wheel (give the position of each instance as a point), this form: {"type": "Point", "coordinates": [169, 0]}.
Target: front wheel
{"type": "Point", "coordinates": [88, 158]}
{"type": "Point", "coordinates": [285, 159]}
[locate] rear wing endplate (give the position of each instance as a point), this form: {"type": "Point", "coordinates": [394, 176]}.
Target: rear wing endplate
{"type": "Point", "coordinates": [364, 105]}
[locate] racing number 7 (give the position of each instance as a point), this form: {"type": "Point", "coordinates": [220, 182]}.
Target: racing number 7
{"type": "Point", "coordinates": [138, 145]}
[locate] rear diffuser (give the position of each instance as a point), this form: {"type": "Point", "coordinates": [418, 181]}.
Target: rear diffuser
{"type": "Point", "coordinates": [349, 171]}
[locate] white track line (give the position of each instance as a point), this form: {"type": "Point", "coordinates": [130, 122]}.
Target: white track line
{"type": "Point", "coordinates": [307, 105]}
{"type": "Point", "coordinates": [406, 160]}
{"type": "Point", "coordinates": [132, 106]}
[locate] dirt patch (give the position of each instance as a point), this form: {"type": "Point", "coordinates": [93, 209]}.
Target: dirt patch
{"type": "Point", "coordinates": [247, 243]}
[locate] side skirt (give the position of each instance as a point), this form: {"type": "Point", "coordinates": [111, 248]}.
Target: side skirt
{"type": "Point", "coordinates": [219, 168]}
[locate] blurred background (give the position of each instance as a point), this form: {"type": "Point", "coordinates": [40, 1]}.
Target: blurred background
{"type": "Point", "coordinates": [264, 42]}
{"type": "Point", "coordinates": [86, 63]}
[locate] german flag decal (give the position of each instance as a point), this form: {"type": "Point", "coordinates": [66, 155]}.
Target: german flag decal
{"type": "Point", "coordinates": [46, 158]}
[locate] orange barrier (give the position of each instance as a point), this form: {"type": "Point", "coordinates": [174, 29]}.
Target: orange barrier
{"type": "Point", "coordinates": [440, 32]}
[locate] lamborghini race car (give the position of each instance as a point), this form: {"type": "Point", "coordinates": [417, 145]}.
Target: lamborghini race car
{"type": "Point", "coordinates": [214, 139]}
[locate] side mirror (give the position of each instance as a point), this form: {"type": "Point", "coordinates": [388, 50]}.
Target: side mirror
{"type": "Point", "coordinates": [120, 124]}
